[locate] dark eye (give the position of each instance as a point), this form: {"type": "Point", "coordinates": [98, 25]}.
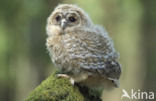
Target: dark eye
{"type": "Point", "coordinates": [72, 19]}
{"type": "Point", "coordinates": [58, 18]}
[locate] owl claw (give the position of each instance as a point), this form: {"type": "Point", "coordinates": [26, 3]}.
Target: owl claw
{"type": "Point", "coordinates": [72, 81]}
{"type": "Point", "coordinates": [63, 75]}
{"type": "Point", "coordinates": [66, 76]}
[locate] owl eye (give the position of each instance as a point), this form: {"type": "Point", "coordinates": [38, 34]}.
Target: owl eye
{"type": "Point", "coordinates": [58, 18]}
{"type": "Point", "coordinates": [72, 19]}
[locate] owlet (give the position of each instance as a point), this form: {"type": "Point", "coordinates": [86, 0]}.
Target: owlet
{"type": "Point", "coordinates": [81, 49]}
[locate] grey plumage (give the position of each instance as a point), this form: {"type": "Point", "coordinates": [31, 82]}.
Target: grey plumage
{"type": "Point", "coordinates": [82, 50]}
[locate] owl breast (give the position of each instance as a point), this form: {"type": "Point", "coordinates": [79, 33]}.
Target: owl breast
{"type": "Point", "coordinates": [56, 50]}
{"type": "Point", "coordinates": [62, 49]}
{"type": "Point", "coordinates": [75, 51]}
{"type": "Point", "coordinates": [68, 52]}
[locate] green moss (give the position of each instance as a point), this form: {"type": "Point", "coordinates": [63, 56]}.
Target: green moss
{"type": "Point", "coordinates": [55, 89]}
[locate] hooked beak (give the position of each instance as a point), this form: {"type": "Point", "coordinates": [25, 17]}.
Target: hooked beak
{"type": "Point", "coordinates": [63, 24]}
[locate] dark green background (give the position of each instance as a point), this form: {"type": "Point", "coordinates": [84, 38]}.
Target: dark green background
{"type": "Point", "coordinates": [24, 60]}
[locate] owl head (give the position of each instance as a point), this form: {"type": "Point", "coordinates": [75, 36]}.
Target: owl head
{"type": "Point", "coordinates": [68, 16]}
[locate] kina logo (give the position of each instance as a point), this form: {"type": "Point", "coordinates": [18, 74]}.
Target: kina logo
{"type": "Point", "coordinates": [138, 94]}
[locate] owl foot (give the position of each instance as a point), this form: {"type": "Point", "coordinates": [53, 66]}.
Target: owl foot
{"type": "Point", "coordinates": [66, 76]}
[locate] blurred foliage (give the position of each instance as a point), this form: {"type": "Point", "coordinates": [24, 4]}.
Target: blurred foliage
{"type": "Point", "coordinates": [24, 60]}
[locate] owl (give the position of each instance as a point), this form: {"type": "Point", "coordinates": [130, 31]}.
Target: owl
{"type": "Point", "coordinates": [80, 49]}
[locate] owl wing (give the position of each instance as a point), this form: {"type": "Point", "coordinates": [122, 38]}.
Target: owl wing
{"type": "Point", "coordinates": [100, 55]}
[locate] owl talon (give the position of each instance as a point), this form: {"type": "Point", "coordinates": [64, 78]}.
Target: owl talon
{"type": "Point", "coordinates": [66, 76]}
{"type": "Point", "coordinates": [72, 81]}
{"type": "Point", "coordinates": [63, 75]}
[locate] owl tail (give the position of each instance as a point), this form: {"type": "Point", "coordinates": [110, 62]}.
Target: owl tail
{"type": "Point", "coordinates": [115, 81]}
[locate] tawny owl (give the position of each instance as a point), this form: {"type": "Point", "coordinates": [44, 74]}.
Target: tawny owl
{"type": "Point", "coordinates": [81, 50]}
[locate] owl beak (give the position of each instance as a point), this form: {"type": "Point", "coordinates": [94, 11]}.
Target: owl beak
{"type": "Point", "coordinates": [63, 24]}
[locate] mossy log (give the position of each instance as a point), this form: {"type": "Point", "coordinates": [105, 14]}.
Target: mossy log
{"type": "Point", "coordinates": [60, 89]}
